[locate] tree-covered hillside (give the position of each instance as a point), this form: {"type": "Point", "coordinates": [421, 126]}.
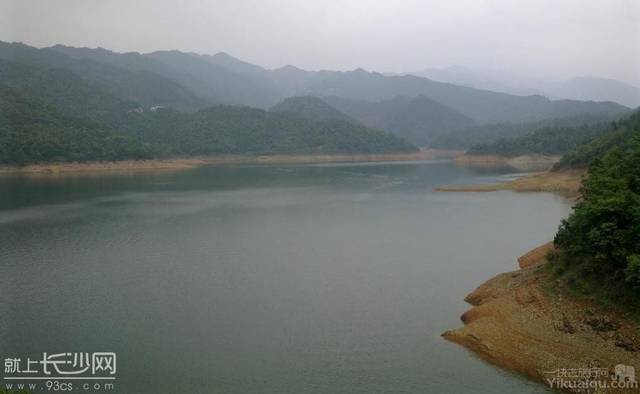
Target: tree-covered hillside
{"type": "Point", "coordinates": [549, 137]}
{"type": "Point", "coordinates": [310, 107]}
{"type": "Point", "coordinates": [480, 105]}
{"type": "Point", "coordinates": [599, 244]}
{"type": "Point", "coordinates": [51, 114]}
{"type": "Point", "coordinates": [192, 81]}
{"type": "Point", "coordinates": [64, 89]}
{"type": "Point", "coordinates": [487, 133]}
{"type": "Point", "coordinates": [109, 89]}
{"type": "Point", "coordinates": [419, 120]}
{"type": "Point", "coordinates": [550, 141]}
{"type": "Point", "coordinates": [32, 131]}
{"type": "Point", "coordinates": [244, 130]}
{"type": "Point", "coordinates": [618, 136]}
{"type": "Point", "coordinates": [147, 84]}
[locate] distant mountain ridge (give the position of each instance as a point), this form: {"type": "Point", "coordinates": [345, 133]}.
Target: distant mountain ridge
{"type": "Point", "coordinates": [421, 111]}
{"type": "Point", "coordinates": [312, 108]}
{"type": "Point", "coordinates": [585, 88]}
{"type": "Point", "coordinates": [597, 89]}
{"type": "Point", "coordinates": [479, 105]}
{"type": "Point", "coordinates": [52, 114]}
{"type": "Point", "coordinates": [193, 81]}
{"type": "Point", "coordinates": [493, 80]}
{"type": "Point", "coordinates": [419, 120]}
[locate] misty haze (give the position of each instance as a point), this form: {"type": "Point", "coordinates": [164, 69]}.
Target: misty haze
{"type": "Point", "coordinates": [319, 197]}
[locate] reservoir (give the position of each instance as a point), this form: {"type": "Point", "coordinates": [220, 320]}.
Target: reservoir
{"type": "Point", "coordinates": [332, 278]}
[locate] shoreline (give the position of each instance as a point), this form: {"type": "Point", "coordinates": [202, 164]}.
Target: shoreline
{"type": "Point", "coordinates": [566, 182]}
{"type": "Point", "coordinates": [527, 322]}
{"type": "Point", "coordinates": [193, 162]}
{"type": "Point", "coordinates": [521, 163]}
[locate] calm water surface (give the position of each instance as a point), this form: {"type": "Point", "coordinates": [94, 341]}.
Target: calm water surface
{"type": "Point", "coordinates": [270, 279]}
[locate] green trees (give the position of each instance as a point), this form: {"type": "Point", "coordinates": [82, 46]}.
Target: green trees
{"type": "Point", "coordinates": [618, 136]}
{"type": "Point", "coordinates": [52, 115]}
{"type": "Point", "coordinates": [601, 238]}
{"type": "Point", "coordinates": [242, 130]}
{"type": "Point", "coordinates": [32, 131]}
{"type": "Point", "coordinates": [310, 107]}
{"type": "Point", "coordinates": [419, 120]}
{"type": "Point", "coordinates": [545, 141]}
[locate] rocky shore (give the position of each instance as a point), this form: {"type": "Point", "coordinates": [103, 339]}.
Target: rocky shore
{"type": "Point", "coordinates": [565, 182]}
{"type": "Point", "coordinates": [528, 322]}
{"type": "Point", "coordinates": [521, 163]}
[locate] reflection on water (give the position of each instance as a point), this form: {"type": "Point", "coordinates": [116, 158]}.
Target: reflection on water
{"type": "Point", "coordinates": [270, 279]}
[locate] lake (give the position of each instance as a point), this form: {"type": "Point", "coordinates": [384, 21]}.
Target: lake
{"type": "Point", "coordinates": [264, 279]}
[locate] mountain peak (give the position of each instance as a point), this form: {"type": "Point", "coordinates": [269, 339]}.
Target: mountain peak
{"type": "Point", "coordinates": [223, 55]}
{"type": "Point", "coordinates": [311, 107]}
{"type": "Point", "coordinates": [233, 64]}
{"type": "Point", "coordinates": [288, 67]}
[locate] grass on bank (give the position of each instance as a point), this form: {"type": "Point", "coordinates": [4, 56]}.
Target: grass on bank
{"type": "Point", "coordinates": [606, 293]}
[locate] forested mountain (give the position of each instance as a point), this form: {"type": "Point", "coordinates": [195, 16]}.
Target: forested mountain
{"type": "Point", "coordinates": [617, 137]}
{"type": "Point", "coordinates": [206, 80]}
{"type": "Point", "coordinates": [32, 131]}
{"type": "Point", "coordinates": [480, 105]}
{"type": "Point", "coordinates": [550, 141]}
{"type": "Point", "coordinates": [64, 89]}
{"type": "Point", "coordinates": [140, 84]}
{"type": "Point", "coordinates": [570, 137]}
{"type": "Point", "coordinates": [244, 130]}
{"type": "Point", "coordinates": [483, 134]}
{"type": "Point", "coordinates": [217, 83]}
{"type": "Point", "coordinates": [52, 114]}
{"type": "Point", "coordinates": [419, 120]}
{"type": "Point", "coordinates": [310, 107]}
{"type": "Point", "coordinates": [107, 88]}
{"type": "Point", "coordinates": [599, 244]}
{"type": "Point", "coordinates": [489, 133]}
{"type": "Point", "coordinates": [187, 80]}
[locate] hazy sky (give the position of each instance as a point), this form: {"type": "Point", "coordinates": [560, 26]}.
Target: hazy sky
{"type": "Point", "coordinates": [542, 38]}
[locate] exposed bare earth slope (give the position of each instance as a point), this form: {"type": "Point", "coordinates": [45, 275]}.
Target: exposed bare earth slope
{"type": "Point", "coordinates": [526, 322]}
{"type": "Point", "coordinates": [523, 163]}
{"type": "Point", "coordinates": [564, 182]}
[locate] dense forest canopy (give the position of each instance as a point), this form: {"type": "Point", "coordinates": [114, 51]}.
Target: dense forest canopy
{"type": "Point", "coordinates": [32, 131]}
{"type": "Point", "coordinates": [550, 141]}
{"type": "Point", "coordinates": [104, 99]}
{"type": "Point", "coordinates": [244, 130]}
{"type": "Point", "coordinates": [487, 134]}
{"type": "Point", "coordinates": [52, 114]}
{"type": "Point", "coordinates": [618, 136]}
{"type": "Point", "coordinates": [419, 119]}
{"type": "Point", "coordinates": [311, 107]}
{"type": "Point", "coordinates": [600, 241]}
